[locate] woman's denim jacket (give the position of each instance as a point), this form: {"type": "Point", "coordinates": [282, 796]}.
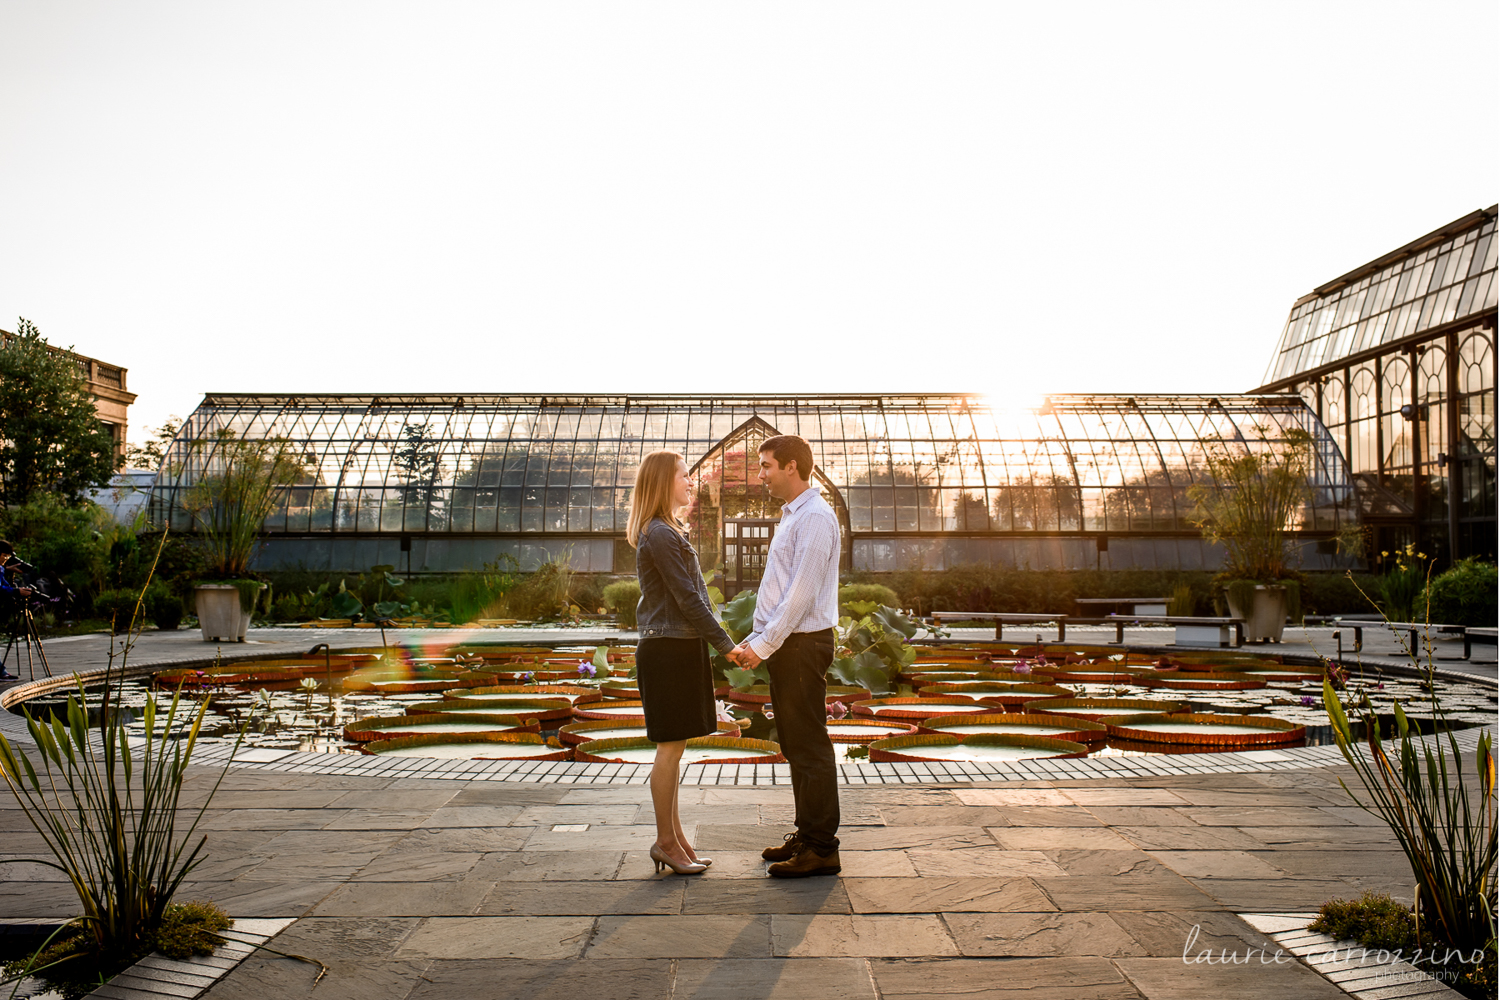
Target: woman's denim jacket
{"type": "Point", "coordinates": [674, 599]}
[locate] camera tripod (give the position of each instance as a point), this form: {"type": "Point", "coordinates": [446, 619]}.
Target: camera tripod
{"type": "Point", "coordinates": [23, 630]}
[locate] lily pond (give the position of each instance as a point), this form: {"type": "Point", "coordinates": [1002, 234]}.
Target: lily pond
{"type": "Point", "coordinates": [980, 702]}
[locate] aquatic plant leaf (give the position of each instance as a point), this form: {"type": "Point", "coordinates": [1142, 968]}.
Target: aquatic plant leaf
{"type": "Point", "coordinates": [346, 605]}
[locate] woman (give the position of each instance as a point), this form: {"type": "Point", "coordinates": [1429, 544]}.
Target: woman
{"type": "Point", "coordinates": [676, 624]}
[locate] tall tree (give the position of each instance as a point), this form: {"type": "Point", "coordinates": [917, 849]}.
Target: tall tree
{"type": "Point", "coordinates": [51, 440]}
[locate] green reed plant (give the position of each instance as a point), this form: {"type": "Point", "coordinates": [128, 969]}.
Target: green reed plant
{"type": "Point", "coordinates": [108, 811]}
{"type": "Point", "coordinates": [1446, 829]}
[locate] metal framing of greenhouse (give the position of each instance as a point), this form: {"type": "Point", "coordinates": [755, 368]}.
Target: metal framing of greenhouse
{"type": "Point", "coordinates": [441, 483]}
{"type": "Point", "coordinates": [1397, 357]}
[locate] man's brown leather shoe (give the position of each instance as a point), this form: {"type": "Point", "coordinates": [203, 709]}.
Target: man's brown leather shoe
{"type": "Point", "coordinates": [784, 852]}
{"type": "Point", "coordinates": [807, 862]}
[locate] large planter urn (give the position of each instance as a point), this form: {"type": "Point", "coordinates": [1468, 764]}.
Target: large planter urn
{"type": "Point", "coordinates": [219, 613]}
{"type": "Point", "coordinates": [1266, 616]}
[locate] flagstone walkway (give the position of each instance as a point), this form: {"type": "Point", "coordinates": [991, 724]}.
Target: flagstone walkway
{"type": "Point", "coordinates": [434, 888]}
{"type": "Point", "coordinates": [1079, 884]}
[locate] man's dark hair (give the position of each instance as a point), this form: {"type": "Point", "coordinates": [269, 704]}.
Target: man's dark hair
{"type": "Point", "coordinates": [6, 549]}
{"type": "Point", "coordinates": [787, 448]}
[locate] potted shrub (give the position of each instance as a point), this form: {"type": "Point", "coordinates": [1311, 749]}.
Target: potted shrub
{"type": "Point", "coordinates": [1248, 503]}
{"type": "Point", "coordinates": [240, 485]}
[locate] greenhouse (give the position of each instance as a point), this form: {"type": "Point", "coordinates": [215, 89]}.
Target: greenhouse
{"type": "Point", "coordinates": [1397, 358]}
{"type": "Point", "coordinates": [442, 483]}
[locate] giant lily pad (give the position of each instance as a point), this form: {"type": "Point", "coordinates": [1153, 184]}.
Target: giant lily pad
{"type": "Point", "coordinates": [703, 750]}
{"type": "Point", "coordinates": [986, 747]}
{"type": "Point", "coordinates": [571, 693]}
{"type": "Point", "coordinates": [1195, 727]}
{"type": "Point", "coordinates": [860, 731]}
{"type": "Point", "coordinates": [626, 729]}
{"type": "Point", "coordinates": [622, 689]}
{"type": "Point", "coordinates": [1096, 709]}
{"type": "Point", "coordinates": [471, 746]}
{"type": "Point", "coordinates": [914, 708]}
{"type": "Point", "coordinates": [386, 727]}
{"type": "Point", "coordinates": [1211, 681]}
{"type": "Point", "coordinates": [1055, 727]}
{"type": "Point", "coordinates": [1003, 693]}
{"type": "Point", "coordinates": [545, 709]}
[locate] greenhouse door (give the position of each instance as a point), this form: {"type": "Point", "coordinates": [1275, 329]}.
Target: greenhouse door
{"type": "Point", "coordinates": [746, 542]}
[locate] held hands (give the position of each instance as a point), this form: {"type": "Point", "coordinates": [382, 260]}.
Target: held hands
{"type": "Point", "coordinates": [743, 656]}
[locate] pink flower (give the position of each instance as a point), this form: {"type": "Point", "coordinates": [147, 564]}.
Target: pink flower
{"type": "Point", "coordinates": [838, 710]}
{"type": "Point", "coordinates": [1021, 668]}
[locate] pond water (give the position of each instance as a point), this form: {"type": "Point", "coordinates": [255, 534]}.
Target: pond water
{"type": "Point", "coordinates": [312, 718]}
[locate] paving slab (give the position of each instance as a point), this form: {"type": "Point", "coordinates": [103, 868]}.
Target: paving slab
{"type": "Point", "coordinates": [548, 866]}
{"type": "Point", "coordinates": [702, 935]}
{"type": "Point", "coordinates": [468, 979]}
{"type": "Point", "coordinates": [1071, 978]}
{"type": "Point", "coordinates": [939, 895]}
{"type": "Point", "coordinates": [1173, 979]}
{"type": "Point", "coordinates": [530, 937]}
{"type": "Point", "coordinates": [764, 895]}
{"type": "Point", "coordinates": [1040, 934]}
{"type": "Point", "coordinates": [1060, 838]}
{"type": "Point", "coordinates": [585, 898]}
{"type": "Point", "coordinates": [887, 935]}
{"type": "Point", "coordinates": [1220, 864]}
{"type": "Point", "coordinates": [774, 979]}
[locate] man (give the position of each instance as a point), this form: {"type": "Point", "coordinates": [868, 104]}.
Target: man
{"type": "Point", "coordinates": [13, 594]}
{"type": "Point", "coordinates": [795, 612]}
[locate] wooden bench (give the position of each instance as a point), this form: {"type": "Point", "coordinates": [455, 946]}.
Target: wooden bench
{"type": "Point", "coordinates": [1002, 618]}
{"type": "Point", "coordinates": [1481, 636]}
{"type": "Point", "coordinates": [1188, 631]}
{"type": "Point", "coordinates": [1132, 605]}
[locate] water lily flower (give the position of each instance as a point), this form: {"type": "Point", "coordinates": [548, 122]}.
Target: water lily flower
{"type": "Point", "coordinates": [586, 669]}
{"type": "Point", "coordinates": [721, 711]}
{"type": "Point", "coordinates": [1307, 701]}
{"type": "Point", "coordinates": [838, 710]}
{"type": "Point", "coordinates": [1024, 667]}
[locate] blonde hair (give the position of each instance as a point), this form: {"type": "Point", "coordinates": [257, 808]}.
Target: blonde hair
{"type": "Point", "coordinates": [652, 496]}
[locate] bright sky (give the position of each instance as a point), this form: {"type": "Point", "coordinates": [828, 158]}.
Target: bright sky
{"type": "Point", "coordinates": [732, 197]}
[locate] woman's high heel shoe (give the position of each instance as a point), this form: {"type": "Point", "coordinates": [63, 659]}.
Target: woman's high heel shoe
{"type": "Point", "coordinates": [662, 861]}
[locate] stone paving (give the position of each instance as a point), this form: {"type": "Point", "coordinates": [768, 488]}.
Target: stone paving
{"type": "Point", "coordinates": [432, 888]}
{"type": "Point", "coordinates": [452, 887]}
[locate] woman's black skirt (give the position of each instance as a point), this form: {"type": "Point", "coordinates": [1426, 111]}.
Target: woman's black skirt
{"type": "Point", "coordinates": [676, 683]}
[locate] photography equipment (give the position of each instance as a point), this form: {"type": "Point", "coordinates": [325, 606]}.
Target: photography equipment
{"type": "Point", "coordinates": [21, 624]}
